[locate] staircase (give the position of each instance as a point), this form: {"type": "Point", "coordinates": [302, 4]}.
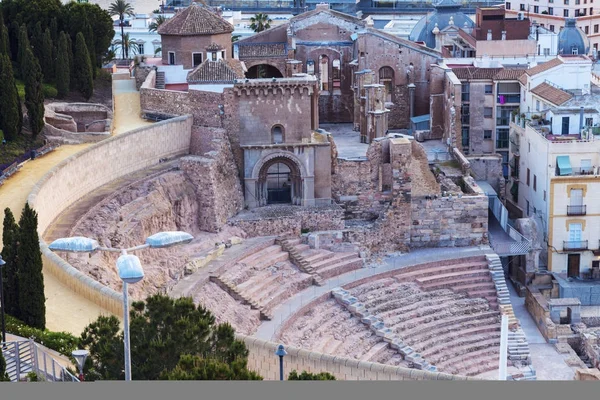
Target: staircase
{"type": "Point", "coordinates": [299, 261]}
{"type": "Point", "coordinates": [232, 290]}
{"type": "Point", "coordinates": [160, 80]}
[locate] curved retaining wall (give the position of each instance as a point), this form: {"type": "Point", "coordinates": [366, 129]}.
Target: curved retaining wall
{"type": "Point", "coordinates": [90, 169]}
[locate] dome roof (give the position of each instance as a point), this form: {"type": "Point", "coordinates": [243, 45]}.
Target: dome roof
{"type": "Point", "coordinates": [195, 20]}
{"type": "Point", "coordinates": [571, 37]}
{"type": "Point", "coordinates": [444, 10]}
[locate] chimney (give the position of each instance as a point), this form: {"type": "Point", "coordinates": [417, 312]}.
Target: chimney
{"type": "Point", "coordinates": [503, 35]}
{"type": "Point", "coordinates": [322, 6]}
{"type": "Point", "coordinates": [489, 34]}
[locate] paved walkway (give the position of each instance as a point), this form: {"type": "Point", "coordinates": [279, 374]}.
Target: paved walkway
{"type": "Point", "coordinates": [65, 309]}
{"type": "Point", "coordinates": [268, 329]}
{"type": "Point", "coordinates": [548, 363]}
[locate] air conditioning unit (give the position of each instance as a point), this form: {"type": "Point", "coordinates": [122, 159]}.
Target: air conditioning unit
{"type": "Point", "coordinates": [521, 16]}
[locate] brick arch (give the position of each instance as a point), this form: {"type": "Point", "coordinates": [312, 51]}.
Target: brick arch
{"type": "Point", "coordinates": [290, 157]}
{"type": "Point", "coordinates": [274, 64]}
{"type": "Point", "coordinates": [297, 177]}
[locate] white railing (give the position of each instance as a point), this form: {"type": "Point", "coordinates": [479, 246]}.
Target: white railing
{"type": "Point", "coordinates": [25, 356]}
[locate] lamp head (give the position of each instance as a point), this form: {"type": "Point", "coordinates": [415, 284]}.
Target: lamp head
{"type": "Point", "coordinates": [2, 262]}
{"type": "Point", "coordinates": [167, 239]}
{"type": "Point", "coordinates": [76, 244]}
{"type": "Point", "coordinates": [130, 268]}
{"type": "Point", "coordinates": [280, 351]}
{"type": "Point", "coordinates": [80, 356]}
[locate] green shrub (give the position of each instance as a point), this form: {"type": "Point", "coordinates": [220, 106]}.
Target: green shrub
{"type": "Point", "coordinates": [309, 376]}
{"type": "Point", "coordinates": [62, 342]}
{"type": "Point", "coordinates": [50, 92]}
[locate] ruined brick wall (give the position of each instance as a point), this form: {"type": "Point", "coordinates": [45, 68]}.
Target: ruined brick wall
{"type": "Point", "coordinates": [537, 305]}
{"type": "Point", "coordinates": [437, 101]}
{"type": "Point", "coordinates": [215, 176]}
{"type": "Point", "coordinates": [140, 74]}
{"type": "Point", "coordinates": [489, 169]}
{"type": "Point", "coordinates": [203, 106]}
{"type": "Point", "coordinates": [410, 66]}
{"type": "Point", "coordinates": [449, 222]}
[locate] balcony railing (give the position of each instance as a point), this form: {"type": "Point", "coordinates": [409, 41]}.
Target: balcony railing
{"type": "Point", "coordinates": [576, 210]}
{"type": "Point", "coordinates": [575, 245]}
{"type": "Point", "coordinates": [503, 121]}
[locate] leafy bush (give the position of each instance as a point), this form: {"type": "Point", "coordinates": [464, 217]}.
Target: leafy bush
{"type": "Point", "coordinates": [309, 376]}
{"type": "Point", "coordinates": [62, 342]}
{"type": "Point", "coordinates": [50, 92]}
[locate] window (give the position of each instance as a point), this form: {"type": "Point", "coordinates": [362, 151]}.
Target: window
{"type": "Point", "coordinates": [141, 48]}
{"type": "Point", "coordinates": [589, 121]}
{"type": "Point", "coordinates": [565, 13]}
{"type": "Point", "coordinates": [536, 9]}
{"type": "Point", "coordinates": [223, 54]}
{"type": "Point", "coordinates": [577, 13]}
{"type": "Point", "coordinates": [596, 28]}
{"type": "Point", "coordinates": [577, 2]}
{"type": "Point", "coordinates": [502, 138]}
{"type": "Point", "coordinates": [386, 78]}
{"type": "Point", "coordinates": [586, 166]}
{"type": "Point", "coordinates": [591, 10]}
{"type": "Point", "coordinates": [574, 51]}
{"type": "Point", "coordinates": [196, 59]}
{"type": "Point", "coordinates": [487, 134]}
{"type": "Point", "coordinates": [522, 7]}
{"type": "Point", "coordinates": [487, 112]}
{"type": "Point", "coordinates": [507, 5]}
{"type": "Point", "coordinates": [551, 27]}
{"type": "Point", "coordinates": [213, 56]}
{"type": "Point", "coordinates": [527, 205]}
{"type": "Point", "coordinates": [551, 10]}
{"type": "Point", "coordinates": [546, 51]}
{"type": "Point", "coordinates": [586, 30]}
{"type": "Point", "coordinates": [324, 72]}
{"type": "Point", "coordinates": [465, 116]}
{"type": "Point", "coordinates": [488, 89]}
{"type": "Point", "coordinates": [528, 176]}
{"type": "Point", "coordinates": [537, 105]}
{"type": "Point", "coordinates": [544, 195]}
{"type": "Point", "coordinates": [535, 183]}
{"type": "Point", "coordinates": [171, 58]}
{"type": "Point", "coordinates": [566, 2]}
{"type": "Point", "coordinates": [310, 67]}
{"type": "Point", "coordinates": [465, 138]}
{"type": "Point", "coordinates": [277, 134]}
{"type": "Point", "coordinates": [465, 92]}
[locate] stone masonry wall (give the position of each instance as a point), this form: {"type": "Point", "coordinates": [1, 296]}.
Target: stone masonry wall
{"type": "Point", "coordinates": [489, 169]}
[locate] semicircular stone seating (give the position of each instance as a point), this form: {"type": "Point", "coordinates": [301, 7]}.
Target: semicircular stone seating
{"type": "Point", "coordinates": [446, 311]}
{"type": "Point", "coordinates": [329, 328]}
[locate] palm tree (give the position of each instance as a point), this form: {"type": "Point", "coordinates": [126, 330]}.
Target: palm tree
{"type": "Point", "coordinates": [260, 22]}
{"type": "Point", "coordinates": [153, 27]}
{"type": "Point", "coordinates": [127, 44]}
{"type": "Point", "coordinates": [122, 9]}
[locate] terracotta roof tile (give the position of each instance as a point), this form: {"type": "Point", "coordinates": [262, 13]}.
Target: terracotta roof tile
{"type": "Point", "coordinates": [195, 20]}
{"type": "Point", "coordinates": [540, 68]}
{"type": "Point", "coordinates": [509, 74]}
{"type": "Point", "coordinates": [214, 72]}
{"type": "Point", "coordinates": [475, 73]}
{"type": "Point", "coordinates": [550, 93]}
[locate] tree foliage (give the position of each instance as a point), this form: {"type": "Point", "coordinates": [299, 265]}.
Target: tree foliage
{"type": "Point", "coordinates": [3, 375]}
{"type": "Point", "coordinates": [63, 67]}
{"type": "Point", "coordinates": [32, 302]}
{"type": "Point", "coordinates": [47, 60]}
{"type": "Point", "coordinates": [11, 117]}
{"type": "Point", "coordinates": [196, 368]}
{"type": "Point", "coordinates": [4, 39]}
{"type": "Point", "coordinates": [158, 21]}
{"type": "Point", "coordinates": [309, 376]}
{"type": "Point", "coordinates": [34, 94]}
{"type": "Point", "coordinates": [23, 47]}
{"type": "Point", "coordinates": [162, 331]}
{"type": "Point", "coordinates": [10, 240]}
{"type": "Point", "coordinates": [260, 22]}
{"type": "Point", "coordinates": [84, 81]}
{"type": "Point", "coordinates": [121, 9]}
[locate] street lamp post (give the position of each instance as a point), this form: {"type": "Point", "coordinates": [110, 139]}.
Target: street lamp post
{"type": "Point", "coordinates": [280, 352]}
{"type": "Point", "coordinates": [2, 264]}
{"type": "Point", "coordinates": [129, 268]}
{"type": "Point", "coordinates": [80, 357]}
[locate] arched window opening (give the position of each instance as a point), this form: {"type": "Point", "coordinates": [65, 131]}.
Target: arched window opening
{"type": "Point", "coordinates": [324, 73]}
{"type": "Point", "coordinates": [277, 134]}
{"type": "Point", "coordinates": [386, 78]}
{"type": "Point", "coordinates": [279, 184]}
{"type": "Point", "coordinates": [336, 74]}
{"type": "Point", "coordinates": [310, 67]}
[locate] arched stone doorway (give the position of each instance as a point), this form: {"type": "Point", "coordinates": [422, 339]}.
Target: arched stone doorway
{"type": "Point", "coordinates": [263, 71]}
{"type": "Point", "coordinates": [279, 182]}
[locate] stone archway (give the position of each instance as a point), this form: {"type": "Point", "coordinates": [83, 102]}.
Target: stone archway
{"type": "Point", "coordinates": [263, 71]}
{"type": "Point", "coordinates": [279, 181]}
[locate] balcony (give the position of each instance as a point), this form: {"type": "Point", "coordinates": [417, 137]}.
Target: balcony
{"type": "Point", "coordinates": [576, 245]}
{"type": "Point", "coordinates": [503, 121]}
{"type": "Point", "coordinates": [509, 98]}
{"type": "Point", "coordinates": [576, 210]}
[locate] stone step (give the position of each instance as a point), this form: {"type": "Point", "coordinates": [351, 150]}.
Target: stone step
{"type": "Point", "coordinates": [300, 248]}
{"type": "Point", "coordinates": [321, 255]}
{"type": "Point", "coordinates": [473, 357]}
{"type": "Point", "coordinates": [341, 268]}
{"type": "Point", "coordinates": [375, 351]}
{"type": "Point", "coordinates": [265, 254]}
{"type": "Point", "coordinates": [446, 343]}
{"type": "Point", "coordinates": [448, 322]}
{"type": "Point", "coordinates": [436, 313]}
{"type": "Point", "coordinates": [260, 270]}
{"type": "Point", "coordinates": [457, 282]}
{"type": "Point", "coordinates": [270, 302]}
{"type": "Point", "coordinates": [336, 259]}
{"type": "Point", "coordinates": [465, 351]}
{"type": "Point", "coordinates": [433, 336]}
{"type": "Point", "coordinates": [441, 267]}
{"type": "Point", "coordinates": [444, 277]}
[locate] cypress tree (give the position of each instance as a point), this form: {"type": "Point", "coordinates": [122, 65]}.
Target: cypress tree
{"type": "Point", "coordinates": [54, 30]}
{"type": "Point", "coordinates": [34, 96]}
{"type": "Point", "coordinates": [11, 119]}
{"type": "Point", "coordinates": [88, 34]}
{"type": "Point", "coordinates": [47, 61]}
{"type": "Point", "coordinates": [37, 41]}
{"type": "Point", "coordinates": [32, 302]}
{"type": "Point", "coordinates": [4, 40]}
{"type": "Point", "coordinates": [3, 375]}
{"type": "Point", "coordinates": [23, 46]}
{"type": "Point", "coordinates": [63, 69]}
{"type": "Point", "coordinates": [13, 34]}
{"type": "Point", "coordinates": [71, 65]}
{"type": "Point", "coordinates": [10, 241]}
{"type": "Point", "coordinates": [83, 69]}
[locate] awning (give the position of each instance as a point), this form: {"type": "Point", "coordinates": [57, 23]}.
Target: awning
{"type": "Point", "coordinates": [563, 164]}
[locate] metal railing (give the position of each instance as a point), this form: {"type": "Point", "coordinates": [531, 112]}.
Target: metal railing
{"type": "Point", "coordinates": [574, 245]}
{"type": "Point", "coordinates": [576, 210]}
{"type": "Point", "coordinates": [25, 356]}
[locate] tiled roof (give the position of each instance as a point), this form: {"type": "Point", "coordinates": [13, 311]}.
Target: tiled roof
{"type": "Point", "coordinates": [509, 74]}
{"type": "Point", "coordinates": [540, 68]}
{"type": "Point", "coordinates": [550, 93]}
{"type": "Point", "coordinates": [475, 73]}
{"type": "Point", "coordinates": [195, 20]}
{"type": "Point", "coordinates": [214, 72]}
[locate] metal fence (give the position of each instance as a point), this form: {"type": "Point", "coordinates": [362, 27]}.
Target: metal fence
{"type": "Point", "coordinates": [25, 356]}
